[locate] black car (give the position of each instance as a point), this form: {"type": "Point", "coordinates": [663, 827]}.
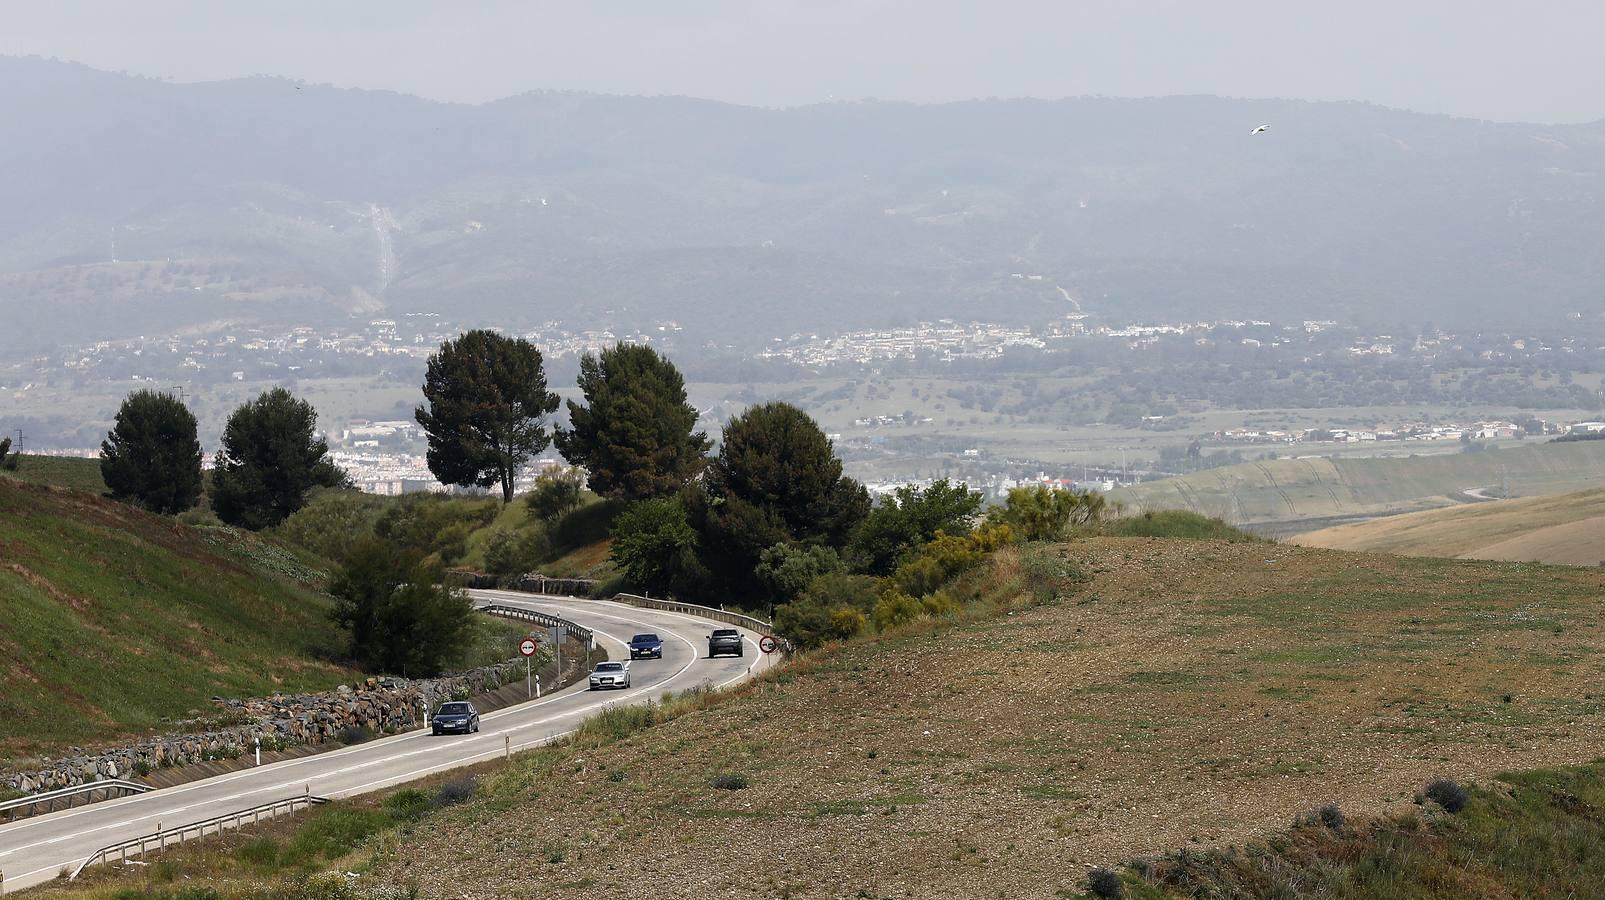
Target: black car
{"type": "Point", "coordinates": [459, 716]}
{"type": "Point", "coordinates": [724, 640]}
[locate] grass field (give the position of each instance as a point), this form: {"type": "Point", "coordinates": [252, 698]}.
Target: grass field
{"type": "Point", "coordinates": [60, 471]}
{"type": "Point", "coordinates": [1567, 529]}
{"type": "Point", "coordinates": [1289, 490]}
{"type": "Point", "coordinates": [115, 620]}
{"type": "Point", "coordinates": [1176, 695]}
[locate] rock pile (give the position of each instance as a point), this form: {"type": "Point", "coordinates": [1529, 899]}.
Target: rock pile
{"type": "Point", "coordinates": [375, 707]}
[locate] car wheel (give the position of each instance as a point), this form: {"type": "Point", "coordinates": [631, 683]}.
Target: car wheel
{"type": "Point", "coordinates": [435, 732]}
{"type": "Point", "coordinates": [476, 728]}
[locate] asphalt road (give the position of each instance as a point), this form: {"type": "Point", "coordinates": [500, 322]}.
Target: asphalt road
{"type": "Point", "coordinates": [34, 850]}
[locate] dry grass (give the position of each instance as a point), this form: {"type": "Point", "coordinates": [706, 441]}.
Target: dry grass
{"type": "Point", "coordinates": [1566, 529]}
{"type": "Point", "coordinates": [1183, 694]}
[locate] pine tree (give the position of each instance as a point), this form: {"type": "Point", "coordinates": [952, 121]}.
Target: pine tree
{"type": "Point", "coordinates": [152, 456]}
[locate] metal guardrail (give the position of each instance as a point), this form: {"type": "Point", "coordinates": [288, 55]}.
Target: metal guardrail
{"type": "Point", "coordinates": [67, 797]}
{"type": "Point", "coordinates": [195, 830]}
{"type": "Point", "coordinates": [529, 615]}
{"type": "Point", "coordinates": [705, 612]}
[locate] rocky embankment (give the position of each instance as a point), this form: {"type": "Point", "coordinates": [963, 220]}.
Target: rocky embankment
{"type": "Point", "coordinates": [376, 707]}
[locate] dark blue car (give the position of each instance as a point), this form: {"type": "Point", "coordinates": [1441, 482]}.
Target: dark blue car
{"type": "Point", "coordinates": [457, 716]}
{"type": "Point", "coordinates": [644, 646]}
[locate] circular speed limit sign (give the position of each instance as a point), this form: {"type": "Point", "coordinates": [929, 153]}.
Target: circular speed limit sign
{"type": "Point", "coordinates": [768, 644]}
{"type": "Point", "coordinates": [527, 647]}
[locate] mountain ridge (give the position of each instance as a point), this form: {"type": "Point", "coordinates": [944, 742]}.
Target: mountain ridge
{"type": "Point", "coordinates": [566, 205]}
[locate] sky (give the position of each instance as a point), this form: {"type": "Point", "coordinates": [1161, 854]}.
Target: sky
{"type": "Point", "coordinates": [1490, 59]}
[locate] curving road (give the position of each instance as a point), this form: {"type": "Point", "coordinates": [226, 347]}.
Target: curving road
{"type": "Point", "coordinates": [34, 850]}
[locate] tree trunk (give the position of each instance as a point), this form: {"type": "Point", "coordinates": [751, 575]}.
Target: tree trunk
{"type": "Point", "coordinates": [507, 486]}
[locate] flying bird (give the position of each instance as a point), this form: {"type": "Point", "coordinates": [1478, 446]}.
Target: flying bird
{"type": "Point", "coordinates": [1260, 129]}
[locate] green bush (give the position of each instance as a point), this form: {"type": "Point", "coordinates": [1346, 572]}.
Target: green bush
{"type": "Point", "coordinates": [408, 804]}
{"type": "Point", "coordinates": [1039, 513]}
{"type": "Point", "coordinates": [730, 781]}
{"type": "Point", "coordinates": [895, 608]}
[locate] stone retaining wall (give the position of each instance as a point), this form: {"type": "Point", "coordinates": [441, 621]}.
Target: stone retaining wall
{"type": "Point", "coordinates": [378, 706]}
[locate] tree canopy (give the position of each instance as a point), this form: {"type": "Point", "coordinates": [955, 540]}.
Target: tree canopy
{"type": "Point", "coordinates": [635, 433]}
{"type": "Point", "coordinates": [776, 480]}
{"type": "Point", "coordinates": [270, 461]}
{"type": "Point", "coordinates": [401, 620]}
{"type": "Point", "coordinates": [485, 409]}
{"type": "Point", "coordinates": [909, 518]}
{"type": "Point", "coordinates": [151, 456]}
{"type": "Point", "coordinates": [654, 545]}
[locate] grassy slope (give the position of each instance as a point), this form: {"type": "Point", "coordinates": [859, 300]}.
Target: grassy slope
{"type": "Point", "coordinates": [1289, 489]}
{"type": "Point", "coordinates": [1567, 529]}
{"type": "Point", "coordinates": [1529, 834]}
{"type": "Point", "coordinates": [61, 471]}
{"type": "Point", "coordinates": [115, 620]}
{"type": "Point", "coordinates": [1180, 694]}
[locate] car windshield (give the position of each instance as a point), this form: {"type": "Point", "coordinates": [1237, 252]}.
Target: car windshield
{"type": "Point", "coordinates": [610, 667]}
{"type": "Point", "coordinates": [644, 639]}
{"type": "Point", "coordinates": [454, 709]}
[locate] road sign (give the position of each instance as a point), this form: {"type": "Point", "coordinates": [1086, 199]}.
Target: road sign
{"type": "Point", "coordinates": [768, 644]}
{"type": "Point", "coordinates": [527, 647]}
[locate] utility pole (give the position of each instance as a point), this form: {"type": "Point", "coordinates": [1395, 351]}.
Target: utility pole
{"type": "Point", "coordinates": [180, 389]}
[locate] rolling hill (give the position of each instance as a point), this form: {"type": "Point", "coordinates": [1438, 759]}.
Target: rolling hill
{"type": "Point", "coordinates": [1182, 694]}
{"type": "Point", "coordinates": [1566, 529]}
{"type": "Point", "coordinates": [1314, 491]}
{"type": "Point", "coordinates": [133, 206]}
{"type": "Point", "coordinates": [116, 620]}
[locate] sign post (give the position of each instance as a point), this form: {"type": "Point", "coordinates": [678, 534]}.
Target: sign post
{"type": "Point", "coordinates": [527, 648]}
{"type": "Point", "coordinates": [559, 633]}
{"type": "Point", "coordinates": [259, 749]}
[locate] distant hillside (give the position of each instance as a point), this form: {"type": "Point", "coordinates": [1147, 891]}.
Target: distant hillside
{"type": "Point", "coordinates": [1567, 529]}
{"type": "Point", "coordinates": [115, 620]}
{"type": "Point", "coordinates": [1292, 490]}
{"type": "Point", "coordinates": [134, 206]}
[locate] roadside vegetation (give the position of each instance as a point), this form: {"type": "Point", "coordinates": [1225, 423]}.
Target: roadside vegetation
{"type": "Point", "coordinates": [1525, 834]}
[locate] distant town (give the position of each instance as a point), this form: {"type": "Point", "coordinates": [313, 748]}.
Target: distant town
{"type": "Point", "coordinates": [385, 455]}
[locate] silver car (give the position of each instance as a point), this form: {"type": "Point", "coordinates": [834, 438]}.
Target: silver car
{"type": "Point", "coordinates": [610, 675]}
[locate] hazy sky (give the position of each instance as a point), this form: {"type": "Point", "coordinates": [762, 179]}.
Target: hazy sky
{"type": "Point", "coordinates": [1493, 59]}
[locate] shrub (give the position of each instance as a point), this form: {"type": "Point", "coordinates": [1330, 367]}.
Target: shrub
{"type": "Point", "coordinates": [1176, 523]}
{"type": "Point", "coordinates": [730, 781]}
{"type": "Point", "coordinates": [458, 790]}
{"type": "Point", "coordinates": [616, 776]}
{"type": "Point", "coordinates": [1038, 513]}
{"type": "Point", "coordinates": [1106, 884]}
{"type": "Point", "coordinates": [1447, 794]}
{"type": "Point", "coordinates": [354, 734]}
{"type": "Point", "coordinates": [1328, 816]}
{"type": "Point", "coordinates": [895, 608]}
{"type": "Point", "coordinates": [408, 804]}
